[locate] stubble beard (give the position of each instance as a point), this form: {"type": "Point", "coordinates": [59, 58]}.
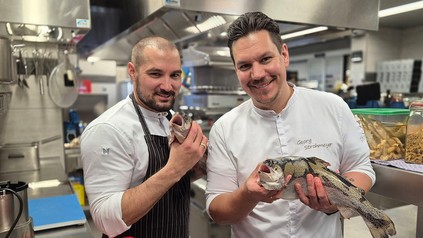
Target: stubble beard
{"type": "Point", "coordinates": [148, 101]}
{"type": "Point", "coordinates": [263, 96]}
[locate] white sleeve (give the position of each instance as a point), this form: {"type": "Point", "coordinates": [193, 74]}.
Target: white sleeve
{"type": "Point", "coordinates": [107, 164]}
{"type": "Point", "coordinates": [221, 170]}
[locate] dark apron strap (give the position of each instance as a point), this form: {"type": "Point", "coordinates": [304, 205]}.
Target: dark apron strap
{"type": "Point", "coordinates": [140, 115]}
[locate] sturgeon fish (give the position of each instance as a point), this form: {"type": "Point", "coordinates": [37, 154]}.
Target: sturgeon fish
{"type": "Point", "coordinates": [179, 126]}
{"type": "Point", "coordinates": [349, 199]}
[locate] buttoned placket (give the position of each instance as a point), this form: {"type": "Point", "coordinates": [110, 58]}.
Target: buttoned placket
{"type": "Point", "coordinates": [282, 128]}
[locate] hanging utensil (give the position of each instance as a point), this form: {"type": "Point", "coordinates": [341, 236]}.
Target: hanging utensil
{"type": "Point", "coordinates": [22, 71]}
{"type": "Point", "coordinates": [49, 63]}
{"type": "Point", "coordinates": [64, 83]}
{"type": "Point", "coordinates": [38, 58]}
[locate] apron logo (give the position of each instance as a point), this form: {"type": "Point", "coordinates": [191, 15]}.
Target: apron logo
{"type": "Point", "coordinates": [106, 151]}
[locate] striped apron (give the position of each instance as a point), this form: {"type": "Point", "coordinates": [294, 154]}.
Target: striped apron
{"type": "Point", "coordinates": [170, 216]}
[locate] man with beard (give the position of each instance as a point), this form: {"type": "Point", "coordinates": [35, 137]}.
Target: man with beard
{"type": "Point", "coordinates": [279, 120]}
{"type": "Point", "coordinates": [137, 185]}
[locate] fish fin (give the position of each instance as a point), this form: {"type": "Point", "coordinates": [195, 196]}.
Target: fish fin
{"type": "Point", "coordinates": [319, 161]}
{"type": "Point", "coordinates": [171, 137]}
{"type": "Point", "coordinates": [382, 227]}
{"type": "Point", "coordinates": [347, 212]}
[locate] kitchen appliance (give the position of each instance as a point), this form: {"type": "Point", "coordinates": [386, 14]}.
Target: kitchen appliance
{"type": "Point", "coordinates": [15, 221]}
{"type": "Point", "coordinates": [185, 21]}
{"type": "Point", "coordinates": [19, 157]}
{"type": "Point", "coordinates": [200, 224]}
{"type": "Point", "coordinates": [22, 156]}
{"type": "Point", "coordinates": [213, 85]}
{"type": "Point", "coordinates": [42, 21]}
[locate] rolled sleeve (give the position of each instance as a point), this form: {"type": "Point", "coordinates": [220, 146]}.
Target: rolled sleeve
{"type": "Point", "coordinates": [107, 174]}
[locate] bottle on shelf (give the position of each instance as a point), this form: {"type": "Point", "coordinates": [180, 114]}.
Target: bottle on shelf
{"type": "Point", "coordinates": [387, 99]}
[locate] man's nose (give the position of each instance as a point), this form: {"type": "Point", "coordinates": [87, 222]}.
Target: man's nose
{"type": "Point", "coordinates": [166, 84]}
{"type": "Point", "coordinates": [257, 71]}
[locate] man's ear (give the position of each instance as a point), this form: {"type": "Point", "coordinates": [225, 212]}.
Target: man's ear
{"type": "Point", "coordinates": [285, 54]}
{"type": "Point", "coordinates": [131, 71]}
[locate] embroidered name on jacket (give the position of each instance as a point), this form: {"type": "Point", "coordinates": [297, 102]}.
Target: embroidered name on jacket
{"type": "Point", "coordinates": [309, 144]}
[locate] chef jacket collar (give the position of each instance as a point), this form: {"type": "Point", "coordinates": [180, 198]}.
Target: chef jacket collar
{"type": "Point", "coordinates": [271, 113]}
{"type": "Point", "coordinates": [148, 113]}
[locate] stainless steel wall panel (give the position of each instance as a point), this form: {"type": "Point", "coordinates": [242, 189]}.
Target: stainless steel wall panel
{"type": "Point", "coordinates": [32, 117]}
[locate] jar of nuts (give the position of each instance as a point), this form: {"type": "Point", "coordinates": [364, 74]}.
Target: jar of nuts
{"type": "Point", "coordinates": [414, 137]}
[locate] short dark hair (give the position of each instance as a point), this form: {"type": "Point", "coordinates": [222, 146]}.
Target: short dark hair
{"type": "Point", "coordinates": [137, 54]}
{"type": "Point", "coordinates": [253, 22]}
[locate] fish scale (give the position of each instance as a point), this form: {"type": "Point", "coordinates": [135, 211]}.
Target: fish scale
{"type": "Point", "coordinates": [349, 199]}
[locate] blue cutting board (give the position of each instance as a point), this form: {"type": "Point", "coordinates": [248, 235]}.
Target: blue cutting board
{"type": "Point", "coordinates": [58, 211]}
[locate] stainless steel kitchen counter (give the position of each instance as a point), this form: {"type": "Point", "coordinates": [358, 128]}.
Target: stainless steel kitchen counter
{"type": "Point", "coordinates": [50, 169]}
{"type": "Point", "coordinates": [402, 185]}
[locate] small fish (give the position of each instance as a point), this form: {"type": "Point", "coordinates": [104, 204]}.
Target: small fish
{"type": "Point", "coordinates": [180, 125]}
{"type": "Point", "coordinates": [349, 199]}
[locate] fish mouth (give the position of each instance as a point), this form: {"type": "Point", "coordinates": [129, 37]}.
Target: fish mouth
{"type": "Point", "coordinates": [268, 179]}
{"type": "Point", "coordinates": [177, 120]}
{"type": "Point", "coordinates": [264, 169]}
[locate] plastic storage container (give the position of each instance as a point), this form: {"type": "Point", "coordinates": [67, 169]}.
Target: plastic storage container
{"type": "Point", "coordinates": [385, 131]}
{"type": "Point", "coordinates": [414, 139]}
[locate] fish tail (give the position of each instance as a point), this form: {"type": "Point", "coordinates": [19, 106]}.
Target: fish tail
{"type": "Point", "coordinates": [380, 226]}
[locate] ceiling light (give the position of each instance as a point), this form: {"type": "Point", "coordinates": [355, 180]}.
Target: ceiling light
{"type": "Point", "coordinates": [401, 9]}
{"type": "Point", "coordinates": [304, 32]}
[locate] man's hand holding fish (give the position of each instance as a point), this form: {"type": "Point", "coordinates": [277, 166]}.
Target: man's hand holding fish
{"type": "Point", "coordinates": [180, 125]}
{"type": "Point", "coordinates": [317, 197]}
{"type": "Point", "coordinates": [323, 190]}
{"type": "Point", "coordinates": [183, 156]}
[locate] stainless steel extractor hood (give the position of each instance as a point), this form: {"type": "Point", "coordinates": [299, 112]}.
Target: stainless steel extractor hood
{"type": "Point", "coordinates": [185, 20]}
{"type": "Point", "coordinates": [64, 21]}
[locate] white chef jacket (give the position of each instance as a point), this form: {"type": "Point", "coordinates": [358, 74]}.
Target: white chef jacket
{"type": "Point", "coordinates": [114, 155]}
{"type": "Point", "coordinates": [313, 123]}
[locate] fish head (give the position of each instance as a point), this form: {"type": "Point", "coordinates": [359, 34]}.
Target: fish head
{"type": "Point", "coordinates": [179, 127]}
{"type": "Point", "coordinates": [271, 175]}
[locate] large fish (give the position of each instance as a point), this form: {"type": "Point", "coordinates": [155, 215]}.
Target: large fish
{"type": "Point", "coordinates": [179, 126]}
{"type": "Point", "coordinates": [349, 199]}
